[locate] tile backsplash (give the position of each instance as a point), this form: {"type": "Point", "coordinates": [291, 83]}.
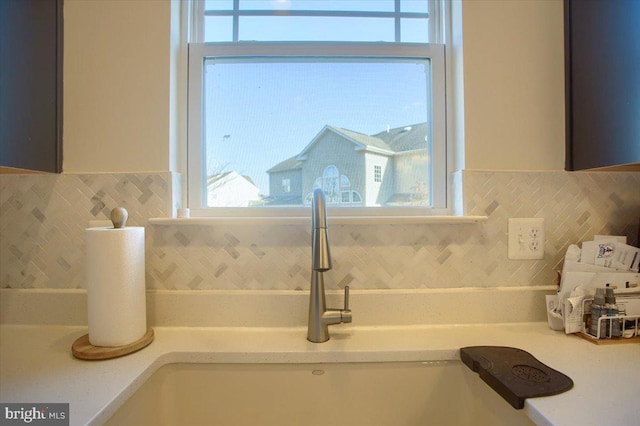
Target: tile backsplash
{"type": "Point", "coordinates": [43, 217]}
{"type": "Point", "coordinates": [42, 221]}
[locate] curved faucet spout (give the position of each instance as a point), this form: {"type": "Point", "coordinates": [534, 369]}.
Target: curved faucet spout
{"type": "Point", "coordinates": [320, 252]}
{"type": "Point", "coordinates": [319, 316]}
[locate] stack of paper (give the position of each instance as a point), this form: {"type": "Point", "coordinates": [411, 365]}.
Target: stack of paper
{"type": "Point", "coordinates": [607, 261]}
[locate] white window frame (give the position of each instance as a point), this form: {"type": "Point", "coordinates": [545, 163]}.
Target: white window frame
{"type": "Point", "coordinates": [197, 52]}
{"type": "Point", "coordinates": [196, 15]}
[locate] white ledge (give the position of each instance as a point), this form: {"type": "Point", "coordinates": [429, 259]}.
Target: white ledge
{"type": "Point", "coordinates": [337, 220]}
{"type": "Point", "coordinates": [290, 308]}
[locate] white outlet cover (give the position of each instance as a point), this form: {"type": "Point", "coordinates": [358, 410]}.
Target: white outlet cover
{"type": "Point", "coordinates": [526, 238]}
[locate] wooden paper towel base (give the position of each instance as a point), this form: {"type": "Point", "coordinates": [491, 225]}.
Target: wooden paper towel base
{"type": "Point", "coordinates": [82, 349]}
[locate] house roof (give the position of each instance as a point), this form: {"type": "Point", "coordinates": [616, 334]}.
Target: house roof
{"type": "Point", "coordinates": [408, 138]}
{"type": "Point", "coordinates": [215, 178]}
{"type": "Point", "coordinates": [392, 141]}
{"type": "Point", "coordinates": [289, 164]}
{"type": "Point", "coordinates": [365, 140]}
{"type": "Point", "coordinates": [399, 139]}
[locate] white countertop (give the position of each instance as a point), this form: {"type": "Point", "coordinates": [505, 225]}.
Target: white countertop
{"type": "Point", "coordinates": [36, 364]}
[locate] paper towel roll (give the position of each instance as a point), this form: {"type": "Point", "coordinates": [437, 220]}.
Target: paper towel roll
{"type": "Point", "coordinates": [115, 285]}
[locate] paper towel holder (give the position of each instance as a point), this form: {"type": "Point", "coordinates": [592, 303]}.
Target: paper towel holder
{"type": "Point", "coordinates": [119, 217]}
{"type": "Point", "coordinates": [83, 349]}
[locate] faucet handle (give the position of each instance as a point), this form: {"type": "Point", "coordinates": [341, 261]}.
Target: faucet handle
{"type": "Point", "coordinates": [346, 299]}
{"type": "Point", "coordinates": [345, 314]}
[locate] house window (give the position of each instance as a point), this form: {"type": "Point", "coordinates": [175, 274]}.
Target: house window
{"type": "Point", "coordinates": [351, 198]}
{"type": "Point", "coordinates": [334, 185]}
{"type": "Point", "coordinates": [331, 183]}
{"type": "Point", "coordinates": [286, 185]}
{"type": "Point", "coordinates": [377, 173]}
{"type": "Point", "coordinates": [273, 93]}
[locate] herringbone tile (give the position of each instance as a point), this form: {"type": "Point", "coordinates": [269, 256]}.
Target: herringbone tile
{"type": "Point", "coordinates": [42, 221]}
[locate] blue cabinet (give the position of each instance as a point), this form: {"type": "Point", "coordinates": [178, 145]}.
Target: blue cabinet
{"type": "Point", "coordinates": [31, 84]}
{"type": "Point", "coordinates": [602, 68]}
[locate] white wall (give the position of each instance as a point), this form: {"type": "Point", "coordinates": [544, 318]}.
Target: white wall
{"type": "Point", "coordinates": [513, 53]}
{"type": "Point", "coordinates": [119, 85]}
{"type": "Point", "coordinates": [116, 85]}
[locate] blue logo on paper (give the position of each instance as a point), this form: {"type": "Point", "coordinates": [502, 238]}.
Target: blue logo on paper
{"type": "Point", "coordinates": [605, 251]}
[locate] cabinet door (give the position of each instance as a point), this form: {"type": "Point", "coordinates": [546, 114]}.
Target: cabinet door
{"type": "Point", "coordinates": [602, 48]}
{"type": "Point", "coordinates": [31, 84]}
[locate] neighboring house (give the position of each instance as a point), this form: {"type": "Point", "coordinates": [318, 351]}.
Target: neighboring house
{"type": "Point", "coordinates": [355, 169]}
{"type": "Point", "coordinates": [232, 189]}
{"type": "Point", "coordinates": [285, 182]}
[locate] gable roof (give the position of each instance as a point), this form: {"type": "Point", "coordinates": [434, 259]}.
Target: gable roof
{"type": "Point", "coordinates": [388, 142]}
{"type": "Point", "coordinates": [365, 140]}
{"type": "Point", "coordinates": [408, 138]}
{"type": "Point", "coordinates": [215, 178]}
{"type": "Point", "coordinates": [399, 139]}
{"type": "Point", "coordinates": [289, 164]}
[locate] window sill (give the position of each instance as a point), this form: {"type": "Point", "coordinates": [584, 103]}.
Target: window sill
{"type": "Point", "coordinates": [334, 220]}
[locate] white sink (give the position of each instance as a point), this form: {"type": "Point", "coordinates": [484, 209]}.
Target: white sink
{"type": "Point", "coordinates": [355, 394]}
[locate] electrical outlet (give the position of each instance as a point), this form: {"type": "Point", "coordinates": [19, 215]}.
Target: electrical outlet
{"type": "Point", "coordinates": [526, 238]}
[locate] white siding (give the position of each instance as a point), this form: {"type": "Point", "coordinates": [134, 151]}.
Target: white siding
{"type": "Point", "coordinates": [377, 193]}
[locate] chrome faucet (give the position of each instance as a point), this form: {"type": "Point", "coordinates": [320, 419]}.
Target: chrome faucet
{"type": "Point", "coordinates": [320, 318]}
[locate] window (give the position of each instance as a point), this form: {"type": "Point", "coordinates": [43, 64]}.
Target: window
{"type": "Point", "coordinates": [377, 173]}
{"type": "Point", "coordinates": [288, 106]}
{"type": "Point", "coordinates": [286, 185]}
{"type": "Point", "coordinates": [336, 188]}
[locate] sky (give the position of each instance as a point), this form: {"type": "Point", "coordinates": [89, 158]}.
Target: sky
{"type": "Point", "coordinates": [362, 5]}
{"type": "Point", "coordinates": [259, 113]}
{"type": "Point", "coordinates": [285, 28]}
